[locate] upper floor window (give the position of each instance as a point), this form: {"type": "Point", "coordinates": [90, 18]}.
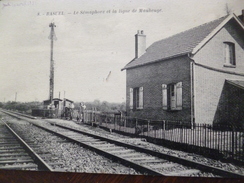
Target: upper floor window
{"type": "Point", "coordinates": [230, 59]}
{"type": "Point", "coordinates": [172, 96]}
{"type": "Point", "coordinates": [136, 98]}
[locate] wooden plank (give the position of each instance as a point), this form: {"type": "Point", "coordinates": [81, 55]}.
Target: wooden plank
{"type": "Point", "coordinates": [110, 148]}
{"type": "Point", "coordinates": [15, 158]}
{"type": "Point", "coordinates": [8, 143]}
{"type": "Point", "coordinates": [183, 172]}
{"type": "Point", "coordinates": [13, 154]}
{"type": "Point", "coordinates": [103, 145]}
{"type": "Point", "coordinates": [16, 161]}
{"type": "Point", "coordinates": [121, 151]}
{"type": "Point", "coordinates": [164, 165]}
{"type": "Point", "coordinates": [133, 139]}
{"type": "Point", "coordinates": [18, 167]}
{"type": "Point", "coordinates": [11, 147]}
{"type": "Point", "coordinates": [14, 150]}
{"type": "Point", "coordinates": [141, 158]}
{"type": "Point", "coordinates": [95, 141]}
{"type": "Point", "coordinates": [3, 139]}
{"type": "Point", "coordinates": [153, 161]}
{"type": "Point", "coordinates": [6, 136]}
{"type": "Point", "coordinates": [130, 155]}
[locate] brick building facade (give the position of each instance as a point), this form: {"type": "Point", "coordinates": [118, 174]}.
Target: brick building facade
{"type": "Point", "coordinates": [190, 76]}
{"type": "Point", "coordinates": [166, 72]}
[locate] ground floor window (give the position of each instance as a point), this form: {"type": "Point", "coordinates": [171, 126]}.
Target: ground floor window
{"type": "Point", "coordinates": [136, 98]}
{"type": "Point", "coordinates": [172, 96]}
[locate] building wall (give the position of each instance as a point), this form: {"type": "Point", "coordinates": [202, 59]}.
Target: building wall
{"type": "Point", "coordinates": [208, 88]}
{"type": "Point", "coordinates": [231, 106]}
{"type": "Point", "coordinates": [213, 53]}
{"type": "Point", "coordinates": [209, 84]}
{"type": "Point", "coordinates": [151, 77]}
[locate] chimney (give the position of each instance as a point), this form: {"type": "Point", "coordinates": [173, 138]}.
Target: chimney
{"type": "Point", "coordinates": [140, 44]}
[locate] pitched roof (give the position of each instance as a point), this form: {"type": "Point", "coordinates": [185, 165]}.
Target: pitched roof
{"type": "Point", "coordinates": [176, 45]}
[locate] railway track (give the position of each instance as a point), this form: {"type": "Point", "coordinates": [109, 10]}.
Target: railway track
{"type": "Point", "coordinates": [144, 160]}
{"type": "Point", "coordinates": [124, 153]}
{"type": "Point", "coordinates": [16, 154]}
{"type": "Point", "coordinates": [141, 159]}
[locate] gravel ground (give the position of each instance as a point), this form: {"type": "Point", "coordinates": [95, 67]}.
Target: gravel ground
{"type": "Point", "coordinates": [77, 159]}
{"type": "Point", "coordinates": [66, 156]}
{"type": "Point", "coordinates": [142, 143]}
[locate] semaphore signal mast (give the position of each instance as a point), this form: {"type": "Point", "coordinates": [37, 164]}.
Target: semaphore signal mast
{"type": "Point", "coordinates": [52, 37]}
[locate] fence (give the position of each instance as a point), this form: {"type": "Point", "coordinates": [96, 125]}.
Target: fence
{"type": "Point", "coordinates": [227, 140]}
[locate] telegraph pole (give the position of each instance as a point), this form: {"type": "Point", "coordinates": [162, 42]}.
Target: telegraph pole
{"type": "Point", "coordinates": [51, 37]}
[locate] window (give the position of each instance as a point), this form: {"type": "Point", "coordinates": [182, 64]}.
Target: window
{"type": "Point", "coordinates": [136, 98]}
{"type": "Point", "coordinates": [172, 96]}
{"type": "Point", "coordinates": [229, 54]}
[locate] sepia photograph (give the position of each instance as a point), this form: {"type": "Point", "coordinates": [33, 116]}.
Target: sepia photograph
{"type": "Point", "coordinates": [121, 91]}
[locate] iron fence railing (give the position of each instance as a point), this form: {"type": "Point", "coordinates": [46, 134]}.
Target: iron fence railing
{"type": "Point", "coordinates": [225, 139]}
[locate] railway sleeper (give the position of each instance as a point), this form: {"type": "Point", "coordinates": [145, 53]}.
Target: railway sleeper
{"type": "Point", "coordinates": [16, 161]}
{"type": "Point", "coordinates": [19, 167]}
{"type": "Point", "coordinates": [183, 172]}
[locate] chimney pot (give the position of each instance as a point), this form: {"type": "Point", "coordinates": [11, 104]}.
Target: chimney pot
{"type": "Point", "coordinates": [140, 44]}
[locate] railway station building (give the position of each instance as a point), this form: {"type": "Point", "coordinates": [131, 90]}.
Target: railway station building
{"type": "Point", "coordinates": [195, 76]}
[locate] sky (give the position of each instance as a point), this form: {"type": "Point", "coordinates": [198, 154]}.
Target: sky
{"type": "Point", "coordinates": [95, 40]}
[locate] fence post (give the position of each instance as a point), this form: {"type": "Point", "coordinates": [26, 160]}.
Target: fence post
{"type": "Point", "coordinates": [95, 116]}
{"type": "Point", "coordinates": [181, 131]}
{"type": "Point", "coordinates": [136, 128]}
{"type": "Point", "coordinates": [205, 141]}
{"type": "Point", "coordinates": [114, 123]}
{"type": "Point", "coordinates": [90, 117]}
{"type": "Point", "coordinates": [233, 142]}
{"type": "Point", "coordinates": [84, 118]}
{"type": "Point", "coordinates": [163, 128]}
{"type": "Point", "coordinates": [148, 127]}
{"type": "Point", "coordinates": [125, 122]}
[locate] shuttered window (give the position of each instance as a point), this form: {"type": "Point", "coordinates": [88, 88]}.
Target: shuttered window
{"type": "Point", "coordinates": [172, 96]}
{"type": "Point", "coordinates": [164, 97]}
{"type": "Point", "coordinates": [179, 96]}
{"type": "Point", "coordinates": [136, 98]}
{"type": "Point", "coordinates": [140, 98]}
{"type": "Point", "coordinates": [131, 98]}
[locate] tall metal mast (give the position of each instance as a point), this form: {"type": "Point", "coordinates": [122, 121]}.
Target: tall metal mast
{"type": "Point", "coordinates": [51, 37]}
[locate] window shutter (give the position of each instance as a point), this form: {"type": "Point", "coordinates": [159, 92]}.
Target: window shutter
{"type": "Point", "coordinates": [131, 98]}
{"type": "Point", "coordinates": [179, 96]}
{"type": "Point", "coordinates": [164, 97]}
{"type": "Point", "coordinates": [141, 98]}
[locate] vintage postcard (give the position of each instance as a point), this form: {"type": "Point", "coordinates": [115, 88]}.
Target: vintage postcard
{"type": "Point", "coordinates": [152, 87]}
